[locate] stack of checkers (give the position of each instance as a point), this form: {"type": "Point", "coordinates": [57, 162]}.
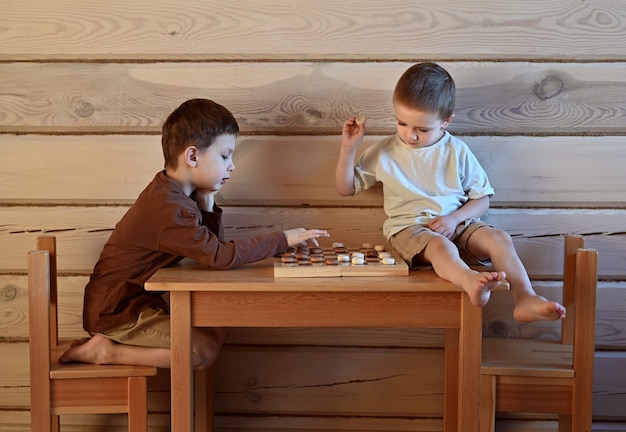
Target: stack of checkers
{"type": "Point", "coordinates": [368, 260]}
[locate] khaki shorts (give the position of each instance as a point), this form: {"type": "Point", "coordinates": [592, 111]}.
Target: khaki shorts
{"type": "Point", "coordinates": [152, 329]}
{"type": "Point", "coordinates": [411, 242]}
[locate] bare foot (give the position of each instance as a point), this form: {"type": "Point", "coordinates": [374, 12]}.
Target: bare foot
{"type": "Point", "coordinates": [479, 285]}
{"type": "Point", "coordinates": [537, 308]}
{"type": "Point", "coordinates": [88, 350]}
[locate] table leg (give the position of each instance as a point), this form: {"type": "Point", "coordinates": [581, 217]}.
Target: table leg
{"type": "Point", "coordinates": [470, 347]}
{"type": "Point", "coordinates": [181, 363]}
{"type": "Point", "coordinates": [451, 394]}
{"type": "Point", "coordinates": [203, 400]}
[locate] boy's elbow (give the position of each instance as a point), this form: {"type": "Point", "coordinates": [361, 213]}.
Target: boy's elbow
{"type": "Point", "coordinates": [344, 191]}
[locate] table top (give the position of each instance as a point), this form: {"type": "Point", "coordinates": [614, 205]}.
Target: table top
{"type": "Point", "coordinates": [191, 276]}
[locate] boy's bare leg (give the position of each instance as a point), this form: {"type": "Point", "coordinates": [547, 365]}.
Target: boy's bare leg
{"type": "Point", "coordinates": [446, 262]}
{"type": "Point", "coordinates": [101, 350]}
{"type": "Point", "coordinates": [497, 244]}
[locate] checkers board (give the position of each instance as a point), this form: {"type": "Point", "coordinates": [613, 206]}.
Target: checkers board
{"type": "Point", "coordinates": [316, 262]}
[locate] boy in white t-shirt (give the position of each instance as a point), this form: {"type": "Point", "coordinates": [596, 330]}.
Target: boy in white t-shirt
{"type": "Point", "coordinates": [435, 192]}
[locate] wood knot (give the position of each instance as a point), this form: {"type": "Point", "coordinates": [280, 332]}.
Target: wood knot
{"type": "Point", "coordinates": [253, 397]}
{"type": "Point", "coordinates": [312, 116]}
{"type": "Point", "coordinates": [549, 87]}
{"type": "Point", "coordinates": [84, 109]}
{"type": "Point", "coordinates": [8, 293]}
{"type": "Point", "coordinates": [500, 329]}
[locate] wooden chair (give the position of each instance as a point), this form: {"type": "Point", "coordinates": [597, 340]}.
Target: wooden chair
{"type": "Point", "coordinates": [72, 388]}
{"type": "Point", "coordinates": [541, 376]}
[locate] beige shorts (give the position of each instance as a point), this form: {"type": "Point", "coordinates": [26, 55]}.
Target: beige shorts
{"type": "Point", "coordinates": [411, 242]}
{"type": "Point", "coordinates": [152, 329]}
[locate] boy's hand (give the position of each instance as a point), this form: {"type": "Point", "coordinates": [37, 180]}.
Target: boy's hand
{"type": "Point", "coordinates": [206, 199]}
{"type": "Point", "coordinates": [298, 236]}
{"type": "Point", "coordinates": [444, 225]}
{"type": "Point", "coordinates": [353, 132]}
{"type": "Point", "coordinates": [352, 136]}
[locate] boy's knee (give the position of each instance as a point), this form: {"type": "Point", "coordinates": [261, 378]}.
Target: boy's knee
{"type": "Point", "coordinates": [440, 241]}
{"type": "Point", "coordinates": [502, 236]}
{"type": "Point", "coordinates": [497, 242]}
{"type": "Point", "coordinates": [204, 357]}
{"type": "Point", "coordinates": [207, 347]}
{"type": "Point", "coordinates": [439, 246]}
{"type": "Point", "coordinates": [204, 360]}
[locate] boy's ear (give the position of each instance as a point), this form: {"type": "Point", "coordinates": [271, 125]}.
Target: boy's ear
{"type": "Point", "coordinates": [447, 122]}
{"type": "Point", "coordinates": [190, 155]}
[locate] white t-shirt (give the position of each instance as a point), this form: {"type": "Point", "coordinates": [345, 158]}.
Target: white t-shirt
{"type": "Point", "coordinates": [421, 183]}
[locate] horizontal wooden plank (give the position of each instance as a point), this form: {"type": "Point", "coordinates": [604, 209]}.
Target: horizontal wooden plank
{"type": "Point", "coordinates": [507, 425]}
{"type": "Point", "coordinates": [609, 370]}
{"type": "Point", "coordinates": [280, 29]}
{"type": "Point", "coordinates": [304, 97]}
{"type": "Point", "coordinates": [537, 233]}
{"type": "Point", "coordinates": [497, 320]}
{"type": "Point", "coordinates": [272, 380]}
{"type": "Point", "coordinates": [314, 381]}
{"type": "Point", "coordinates": [14, 323]}
{"type": "Point", "coordinates": [330, 381]}
{"type": "Point", "coordinates": [108, 167]}
{"type": "Point", "coordinates": [19, 421]}
{"type": "Point", "coordinates": [525, 171]}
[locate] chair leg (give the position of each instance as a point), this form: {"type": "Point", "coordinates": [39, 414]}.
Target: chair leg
{"type": "Point", "coordinates": [565, 423]}
{"type": "Point", "coordinates": [137, 404]}
{"type": "Point", "coordinates": [41, 417]}
{"type": "Point", "coordinates": [487, 403]}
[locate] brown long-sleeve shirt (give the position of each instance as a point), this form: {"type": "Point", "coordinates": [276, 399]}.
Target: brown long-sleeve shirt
{"type": "Point", "coordinates": [163, 226]}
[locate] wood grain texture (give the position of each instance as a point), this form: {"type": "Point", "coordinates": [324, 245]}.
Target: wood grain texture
{"type": "Point", "coordinates": [331, 384]}
{"type": "Point", "coordinates": [497, 317]}
{"type": "Point", "coordinates": [557, 171]}
{"type": "Point", "coordinates": [19, 421]}
{"type": "Point", "coordinates": [85, 88]}
{"type": "Point", "coordinates": [304, 97]}
{"type": "Point", "coordinates": [250, 377]}
{"type": "Point", "coordinates": [537, 234]}
{"type": "Point", "coordinates": [324, 29]}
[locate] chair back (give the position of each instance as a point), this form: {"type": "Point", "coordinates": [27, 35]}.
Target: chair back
{"type": "Point", "coordinates": [586, 282]}
{"type": "Point", "coordinates": [580, 280]}
{"type": "Point", "coordinates": [571, 245]}
{"type": "Point", "coordinates": [42, 319]}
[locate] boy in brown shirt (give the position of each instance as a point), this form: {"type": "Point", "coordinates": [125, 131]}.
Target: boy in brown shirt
{"type": "Point", "coordinates": [174, 217]}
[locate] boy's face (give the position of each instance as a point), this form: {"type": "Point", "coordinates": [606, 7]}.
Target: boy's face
{"type": "Point", "coordinates": [418, 128]}
{"type": "Point", "coordinates": [214, 164]}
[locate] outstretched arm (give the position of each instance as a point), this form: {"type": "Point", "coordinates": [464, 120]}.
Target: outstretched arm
{"type": "Point", "coordinates": [352, 136]}
{"type": "Point", "coordinates": [298, 236]}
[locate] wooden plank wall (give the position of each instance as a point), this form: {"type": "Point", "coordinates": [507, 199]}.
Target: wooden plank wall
{"type": "Point", "coordinates": [85, 87]}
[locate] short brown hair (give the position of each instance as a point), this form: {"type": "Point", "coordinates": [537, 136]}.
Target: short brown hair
{"type": "Point", "coordinates": [427, 87]}
{"type": "Point", "coordinates": [195, 122]}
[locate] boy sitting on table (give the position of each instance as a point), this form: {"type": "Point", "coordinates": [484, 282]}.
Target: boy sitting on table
{"type": "Point", "coordinates": [435, 192]}
{"type": "Point", "coordinates": [174, 217]}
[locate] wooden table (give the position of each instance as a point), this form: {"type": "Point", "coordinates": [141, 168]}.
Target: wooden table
{"type": "Point", "coordinates": [251, 297]}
